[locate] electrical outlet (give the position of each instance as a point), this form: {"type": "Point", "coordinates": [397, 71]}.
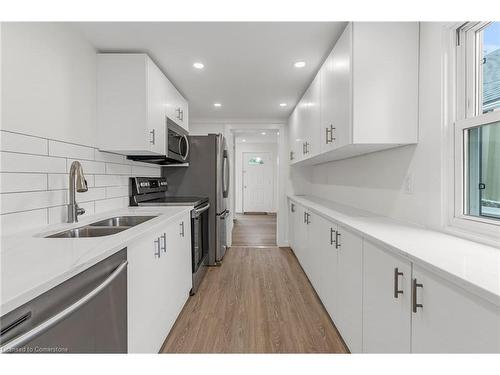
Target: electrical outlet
{"type": "Point", "coordinates": [408, 184]}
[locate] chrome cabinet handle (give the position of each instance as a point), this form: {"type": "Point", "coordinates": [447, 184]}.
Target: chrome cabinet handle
{"type": "Point", "coordinates": [182, 115]}
{"type": "Point", "coordinates": [157, 247]}
{"type": "Point", "coordinates": [292, 207]}
{"type": "Point", "coordinates": [397, 292]}
{"type": "Point", "coordinates": [291, 155]}
{"type": "Point", "coordinates": [337, 239]}
{"type": "Point", "coordinates": [152, 140]}
{"type": "Point", "coordinates": [182, 229]}
{"type": "Point", "coordinates": [328, 135]}
{"type": "Point", "coordinates": [308, 216]}
{"type": "Point", "coordinates": [305, 215]}
{"type": "Point", "coordinates": [164, 236]}
{"type": "Point", "coordinates": [49, 323]}
{"type": "Point", "coordinates": [332, 131]}
{"type": "Point", "coordinates": [332, 241]}
{"type": "Point", "coordinates": [415, 304]}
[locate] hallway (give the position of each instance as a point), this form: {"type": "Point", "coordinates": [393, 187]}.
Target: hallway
{"type": "Point", "coordinates": [258, 301]}
{"type": "Point", "coordinates": [254, 230]}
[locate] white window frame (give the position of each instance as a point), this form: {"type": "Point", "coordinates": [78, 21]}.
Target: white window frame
{"type": "Point", "coordinates": [465, 112]}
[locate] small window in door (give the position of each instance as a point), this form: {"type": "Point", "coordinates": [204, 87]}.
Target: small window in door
{"type": "Point", "coordinates": [255, 161]}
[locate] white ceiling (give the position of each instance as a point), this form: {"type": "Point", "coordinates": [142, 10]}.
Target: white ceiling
{"type": "Point", "coordinates": [256, 136]}
{"type": "Point", "coordinates": [248, 65]}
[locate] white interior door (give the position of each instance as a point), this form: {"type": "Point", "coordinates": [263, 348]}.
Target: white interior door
{"type": "Point", "coordinates": [258, 189]}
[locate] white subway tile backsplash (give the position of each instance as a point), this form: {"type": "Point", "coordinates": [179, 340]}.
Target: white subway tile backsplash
{"type": "Point", "coordinates": [22, 221]}
{"type": "Point", "coordinates": [61, 181]}
{"type": "Point", "coordinates": [59, 214]}
{"type": "Point", "coordinates": [91, 195]}
{"type": "Point", "coordinates": [89, 167]}
{"type": "Point", "coordinates": [146, 171]}
{"type": "Point", "coordinates": [69, 150]}
{"type": "Point", "coordinates": [110, 180]}
{"type": "Point", "coordinates": [117, 191]}
{"type": "Point", "coordinates": [23, 143]}
{"type": "Point", "coordinates": [16, 182]}
{"type": "Point", "coordinates": [34, 180]}
{"type": "Point", "coordinates": [14, 162]}
{"type": "Point", "coordinates": [14, 202]}
{"type": "Point", "coordinates": [109, 157]}
{"type": "Point", "coordinates": [121, 169]}
{"type": "Point", "coordinates": [110, 204]}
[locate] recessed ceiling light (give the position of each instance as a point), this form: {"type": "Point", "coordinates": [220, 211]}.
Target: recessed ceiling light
{"type": "Point", "coordinates": [217, 105]}
{"type": "Point", "coordinates": [299, 64]}
{"type": "Point", "coordinates": [282, 104]}
{"type": "Point", "coordinates": [243, 140]}
{"type": "Point", "coordinates": [198, 65]}
{"type": "Point", "coordinates": [263, 133]}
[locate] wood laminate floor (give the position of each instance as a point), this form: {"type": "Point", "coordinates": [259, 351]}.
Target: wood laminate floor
{"type": "Point", "coordinates": [258, 301]}
{"type": "Point", "coordinates": [254, 230]}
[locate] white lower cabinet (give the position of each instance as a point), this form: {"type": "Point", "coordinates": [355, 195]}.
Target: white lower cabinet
{"type": "Point", "coordinates": [451, 320]}
{"type": "Point", "coordinates": [159, 281]}
{"type": "Point", "coordinates": [383, 303]}
{"type": "Point", "coordinates": [348, 318]}
{"type": "Point", "coordinates": [386, 301]}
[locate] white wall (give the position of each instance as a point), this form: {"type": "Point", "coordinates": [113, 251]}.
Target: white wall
{"type": "Point", "coordinates": [48, 82]}
{"type": "Point", "coordinates": [48, 120]}
{"type": "Point", "coordinates": [253, 147]}
{"type": "Point", "coordinates": [375, 182]}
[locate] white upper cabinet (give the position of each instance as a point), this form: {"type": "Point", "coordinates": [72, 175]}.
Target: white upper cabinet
{"type": "Point", "coordinates": [335, 129]}
{"type": "Point", "coordinates": [177, 107]}
{"type": "Point", "coordinates": [368, 93]}
{"type": "Point", "coordinates": [134, 99]}
{"type": "Point", "coordinates": [294, 141]}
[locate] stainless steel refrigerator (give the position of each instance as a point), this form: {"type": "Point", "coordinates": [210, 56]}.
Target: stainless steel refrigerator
{"type": "Point", "coordinates": [206, 175]}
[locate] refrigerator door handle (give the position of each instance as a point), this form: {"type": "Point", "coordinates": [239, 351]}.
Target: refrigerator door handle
{"type": "Point", "coordinates": [225, 176]}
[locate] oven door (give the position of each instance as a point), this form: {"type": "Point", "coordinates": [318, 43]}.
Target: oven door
{"type": "Point", "coordinates": [199, 227]}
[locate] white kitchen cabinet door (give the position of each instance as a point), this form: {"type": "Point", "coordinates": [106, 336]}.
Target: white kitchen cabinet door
{"type": "Point", "coordinates": [294, 141]}
{"type": "Point", "coordinates": [292, 213]}
{"type": "Point", "coordinates": [177, 107]}
{"type": "Point", "coordinates": [322, 237]}
{"type": "Point", "coordinates": [386, 301]}
{"type": "Point", "coordinates": [147, 295]}
{"type": "Point", "coordinates": [336, 73]}
{"type": "Point", "coordinates": [348, 318]}
{"type": "Point", "coordinates": [301, 235]}
{"type": "Point", "coordinates": [451, 320]}
{"type": "Point", "coordinates": [157, 98]}
{"type": "Point", "coordinates": [315, 227]}
{"type": "Point", "coordinates": [130, 112]}
{"type": "Point", "coordinates": [178, 268]}
{"type": "Point", "coordinates": [312, 122]}
{"type": "Point", "coordinates": [385, 57]}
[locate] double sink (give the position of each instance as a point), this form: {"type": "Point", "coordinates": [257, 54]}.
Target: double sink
{"type": "Point", "coordinates": [104, 227]}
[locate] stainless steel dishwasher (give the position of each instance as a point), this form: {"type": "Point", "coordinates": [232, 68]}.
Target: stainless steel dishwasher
{"type": "Point", "coordinates": [85, 314]}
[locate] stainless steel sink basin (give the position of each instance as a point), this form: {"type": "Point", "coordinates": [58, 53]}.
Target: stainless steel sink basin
{"type": "Point", "coordinates": [102, 228]}
{"type": "Point", "coordinates": [122, 221]}
{"type": "Point", "coordinates": [88, 231]}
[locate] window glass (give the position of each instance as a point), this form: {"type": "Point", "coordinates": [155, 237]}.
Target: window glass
{"type": "Point", "coordinates": [255, 161]}
{"type": "Point", "coordinates": [490, 62]}
{"type": "Point", "coordinates": [483, 171]}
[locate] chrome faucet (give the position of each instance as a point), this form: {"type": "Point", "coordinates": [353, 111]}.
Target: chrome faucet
{"type": "Point", "coordinates": [76, 182]}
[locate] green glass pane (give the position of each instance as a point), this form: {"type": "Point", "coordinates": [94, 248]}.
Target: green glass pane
{"type": "Point", "coordinates": [255, 161]}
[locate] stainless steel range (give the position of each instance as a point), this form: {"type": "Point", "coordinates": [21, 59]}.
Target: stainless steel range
{"type": "Point", "coordinates": [151, 191]}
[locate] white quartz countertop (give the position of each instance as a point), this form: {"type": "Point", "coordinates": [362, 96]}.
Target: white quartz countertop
{"type": "Point", "coordinates": [471, 265]}
{"type": "Point", "coordinates": [30, 264]}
